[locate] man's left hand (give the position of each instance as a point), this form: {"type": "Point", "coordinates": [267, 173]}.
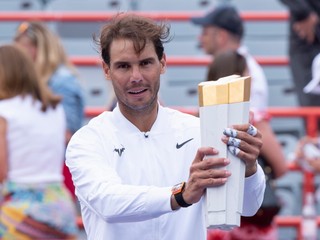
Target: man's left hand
{"type": "Point", "coordinates": [245, 142]}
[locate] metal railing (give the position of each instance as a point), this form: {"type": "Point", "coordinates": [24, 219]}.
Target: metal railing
{"type": "Point", "coordinates": [81, 16]}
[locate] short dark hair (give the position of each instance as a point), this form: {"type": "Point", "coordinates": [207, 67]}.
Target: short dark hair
{"type": "Point", "coordinates": [138, 29]}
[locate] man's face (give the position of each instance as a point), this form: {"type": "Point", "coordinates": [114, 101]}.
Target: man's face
{"type": "Point", "coordinates": [135, 78]}
{"type": "Point", "coordinates": [209, 39]}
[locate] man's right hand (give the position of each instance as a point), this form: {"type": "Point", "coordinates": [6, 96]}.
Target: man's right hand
{"type": "Point", "coordinates": [205, 173]}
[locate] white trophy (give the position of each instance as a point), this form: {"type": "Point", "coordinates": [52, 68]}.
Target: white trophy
{"type": "Point", "coordinates": [223, 103]}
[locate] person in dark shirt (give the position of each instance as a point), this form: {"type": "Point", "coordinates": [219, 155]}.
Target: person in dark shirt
{"type": "Point", "coordinates": [304, 45]}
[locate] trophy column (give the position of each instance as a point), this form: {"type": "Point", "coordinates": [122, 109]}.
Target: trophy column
{"type": "Point", "coordinates": [223, 103]}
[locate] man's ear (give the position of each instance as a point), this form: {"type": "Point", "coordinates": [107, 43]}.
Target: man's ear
{"type": "Point", "coordinates": [163, 63]}
{"type": "Point", "coordinates": [223, 36]}
{"type": "Point", "coordinates": [106, 70]}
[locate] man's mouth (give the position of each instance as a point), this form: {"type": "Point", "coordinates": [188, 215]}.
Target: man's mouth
{"type": "Point", "coordinates": [137, 91]}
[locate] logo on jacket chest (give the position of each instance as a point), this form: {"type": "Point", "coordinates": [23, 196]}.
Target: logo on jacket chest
{"type": "Point", "coordinates": [179, 145]}
{"type": "Point", "coordinates": [119, 150]}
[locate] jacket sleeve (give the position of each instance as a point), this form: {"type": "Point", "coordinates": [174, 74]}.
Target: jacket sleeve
{"type": "Point", "coordinates": [66, 85]}
{"type": "Point", "coordinates": [254, 192]}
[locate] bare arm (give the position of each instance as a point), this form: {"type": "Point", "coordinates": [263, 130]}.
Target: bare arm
{"type": "Point", "coordinates": [271, 149]}
{"type": "Point", "coordinates": [68, 136]}
{"type": "Point", "coordinates": [3, 152]}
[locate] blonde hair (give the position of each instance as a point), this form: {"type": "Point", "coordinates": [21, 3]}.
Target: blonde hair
{"type": "Point", "coordinates": [19, 77]}
{"type": "Point", "coordinates": [50, 52]}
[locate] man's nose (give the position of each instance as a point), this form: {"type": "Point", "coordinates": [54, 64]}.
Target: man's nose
{"type": "Point", "coordinates": [136, 74]}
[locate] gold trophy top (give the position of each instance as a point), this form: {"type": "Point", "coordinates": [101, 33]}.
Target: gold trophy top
{"type": "Point", "coordinates": [230, 89]}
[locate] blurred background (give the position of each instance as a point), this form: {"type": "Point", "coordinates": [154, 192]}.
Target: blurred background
{"type": "Point", "coordinates": [266, 36]}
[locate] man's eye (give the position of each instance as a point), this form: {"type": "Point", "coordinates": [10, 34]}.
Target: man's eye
{"type": "Point", "coordinates": [124, 66]}
{"type": "Point", "coordinates": [145, 63]}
